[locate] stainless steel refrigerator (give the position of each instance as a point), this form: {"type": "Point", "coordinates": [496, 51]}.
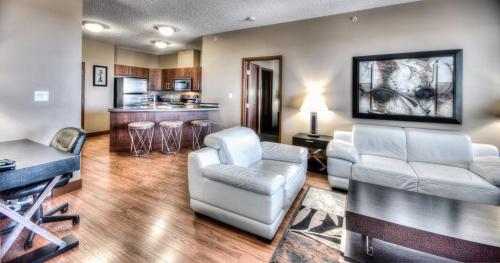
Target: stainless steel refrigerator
{"type": "Point", "coordinates": [131, 92]}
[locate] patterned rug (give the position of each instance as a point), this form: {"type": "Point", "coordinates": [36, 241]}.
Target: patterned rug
{"type": "Point", "coordinates": [315, 233]}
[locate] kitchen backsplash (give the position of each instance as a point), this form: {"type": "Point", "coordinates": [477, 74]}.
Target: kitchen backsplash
{"type": "Point", "coordinates": [173, 94]}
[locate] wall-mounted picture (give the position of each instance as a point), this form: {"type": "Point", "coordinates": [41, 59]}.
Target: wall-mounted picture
{"type": "Point", "coordinates": [422, 86]}
{"type": "Point", "coordinates": [100, 76]}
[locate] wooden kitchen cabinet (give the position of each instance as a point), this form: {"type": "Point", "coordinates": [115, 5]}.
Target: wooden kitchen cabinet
{"type": "Point", "coordinates": [196, 82]}
{"type": "Point", "coordinates": [155, 79]}
{"type": "Point", "coordinates": [130, 71]}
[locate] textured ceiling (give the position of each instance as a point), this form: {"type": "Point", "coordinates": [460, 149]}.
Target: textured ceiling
{"type": "Point", "coordinates": [131, 22]}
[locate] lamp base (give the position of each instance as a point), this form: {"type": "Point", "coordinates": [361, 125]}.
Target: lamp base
{"type": "Point", "coordinates": [313, 135]}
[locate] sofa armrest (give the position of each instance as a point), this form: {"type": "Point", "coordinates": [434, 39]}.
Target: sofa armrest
{"type": "Point", "coordinates": [342, 150]}
{"type": "Point", "coordinates": [257, 181]}
{"type": "Point", "coordinates": [488, 167]}
{"type": "Point", "coordinates": [283, 152]}
{"type": "Point", "coordinates": [483, 150]}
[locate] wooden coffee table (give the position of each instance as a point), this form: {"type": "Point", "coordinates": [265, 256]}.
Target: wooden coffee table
{"type": "Point", "coordinates": [448, 228]}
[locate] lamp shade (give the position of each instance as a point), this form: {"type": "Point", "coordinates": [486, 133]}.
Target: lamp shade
{"type": "Point", "coordinates": [314, 103]}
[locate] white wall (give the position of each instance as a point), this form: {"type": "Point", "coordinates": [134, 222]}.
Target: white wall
{"type": "Point", "coordinates": [40, 49]}
{"type": "Point", "coordinates": [318, 52]}
{"type": "Point", "coordinates": [98, 99]}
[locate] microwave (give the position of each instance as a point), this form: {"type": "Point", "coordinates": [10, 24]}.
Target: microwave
{"type": "Point", "coordinates": [183, 84]}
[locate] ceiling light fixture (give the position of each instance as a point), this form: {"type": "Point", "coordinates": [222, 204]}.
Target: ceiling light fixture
{"type": "Point", "coordinates": [161, 44]}
{"type": "Point", "coordinates": [166, 30]}
{"type": "Point", "coordinates": [250, 19]}
{"type": "Point", "coordinates": [93, 26]}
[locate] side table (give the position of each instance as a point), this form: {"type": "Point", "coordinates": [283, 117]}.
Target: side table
{"type": "Point", "coordinates": [317, 147]}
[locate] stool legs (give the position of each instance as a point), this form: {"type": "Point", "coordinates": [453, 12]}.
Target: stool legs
{"type": "Point", "coordinates": [141, 141]}
{"type": "Point", "coordinates": [171, 138]}
{"type": "Point", "coordinates": [199, 133]}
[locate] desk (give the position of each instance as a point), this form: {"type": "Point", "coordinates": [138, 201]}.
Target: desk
{"type": "Point", "coordinates": [35, 163]}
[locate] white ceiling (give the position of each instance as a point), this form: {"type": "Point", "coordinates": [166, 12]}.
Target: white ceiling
{"type": "Point", "coordinates": [131, 22]}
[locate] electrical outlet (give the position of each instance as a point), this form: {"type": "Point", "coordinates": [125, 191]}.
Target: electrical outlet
{"type": "Point", "coordinates": [41, 96]}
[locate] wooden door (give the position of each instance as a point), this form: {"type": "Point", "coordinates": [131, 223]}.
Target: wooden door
{"type": "Point", "coordinates": [266, 117]}
{"type": "Point", "coordinates": [252, 103]}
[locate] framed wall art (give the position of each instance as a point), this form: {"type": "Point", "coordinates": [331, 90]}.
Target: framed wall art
{"type": "Point", "coordinates": [100, 76]}
{"type": "Point", "coordinates": [420, 86]}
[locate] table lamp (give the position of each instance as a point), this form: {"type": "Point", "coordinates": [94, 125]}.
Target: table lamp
{"type": "Point", "coordinates": [314, 103]}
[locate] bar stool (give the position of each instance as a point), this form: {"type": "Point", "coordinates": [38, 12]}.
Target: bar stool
{"type": "Point", "coordinates": [201, 128]}
{"type": "Point", "coordinates": [141, 137]}
{"type": "Point", "coordinates": [171, 136]}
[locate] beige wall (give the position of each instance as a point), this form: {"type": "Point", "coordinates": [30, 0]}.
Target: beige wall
{"type": "Point", "coordinates": [98, 99]}
{"type": "Point", "coordinates": [134, 58]}
{"type": "Point", "coordinates": [319, 52]}
{"type": "Point", "coordinates": [168, 61]}
{"type": "Point", "coordinates": [188, 58]}
{"type": "Point", "coordinates": [40, 49]}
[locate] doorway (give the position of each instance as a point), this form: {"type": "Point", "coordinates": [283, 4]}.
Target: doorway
{"type": "Point", "coordinates": [261, 96]}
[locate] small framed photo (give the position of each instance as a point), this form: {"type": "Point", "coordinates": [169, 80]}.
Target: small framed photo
{"type": "Point", "coordinates": [100, 76]}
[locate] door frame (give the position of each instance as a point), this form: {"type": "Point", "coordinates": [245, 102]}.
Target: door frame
{"type": "Point", "coordinates": [82, 110]}
{"type": "Point", "coordinates": [244, 88]}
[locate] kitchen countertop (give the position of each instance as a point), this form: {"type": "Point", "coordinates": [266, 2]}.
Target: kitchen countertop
{"type": "Point", "coordinates": [163, 107]}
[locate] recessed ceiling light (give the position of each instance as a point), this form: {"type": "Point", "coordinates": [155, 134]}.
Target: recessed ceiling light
{"type": "Point", "coordinates": [93, 26]}
{"type": "Point", "coordinates": [161, 44]}
{"type": "Point", "coordinates": [166, 30]}
{"type": "Point", "coordinates": [250, 18]}
{"type": "Point", "coordinates": [354, 19]}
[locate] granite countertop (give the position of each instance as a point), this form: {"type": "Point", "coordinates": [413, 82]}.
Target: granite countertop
{"type": "Point", "coordinates": [167, 107]}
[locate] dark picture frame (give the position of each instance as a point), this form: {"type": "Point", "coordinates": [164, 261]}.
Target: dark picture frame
{"type": "Point", "coordinates": [100, 76]}
{"type": "Point", "coordinates": [424, 98]}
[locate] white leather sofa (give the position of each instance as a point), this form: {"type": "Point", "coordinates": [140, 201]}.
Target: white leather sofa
{"type": "Point", "coordinates": [440, 163]}
{"type": "Point", "coordinates": [240, 181]}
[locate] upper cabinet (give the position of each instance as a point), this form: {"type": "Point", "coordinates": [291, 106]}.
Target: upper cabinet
{"type": "Point", "coordinates": [155, 79]}
{"type": "Point", "coordinates": [129, 71]}
{"type": "Point", "coordinates": [196, 82]}
{"type": "Point", "coordinates": [162, 79]}
{"type": "Point", "coordinates": [169, 75]}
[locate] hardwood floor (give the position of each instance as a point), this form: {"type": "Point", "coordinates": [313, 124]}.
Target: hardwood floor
{"type": "Point", "coordinates": [137, 210]}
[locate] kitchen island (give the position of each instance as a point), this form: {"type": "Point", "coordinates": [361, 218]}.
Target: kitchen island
{"type": "Point", "coordinates": [120, 118]}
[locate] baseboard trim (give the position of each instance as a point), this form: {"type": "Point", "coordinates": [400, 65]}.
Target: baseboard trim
{"type": "Point", "coordinates": [71, 186]}
{"type": "Point", "coordinates": [92, 134]}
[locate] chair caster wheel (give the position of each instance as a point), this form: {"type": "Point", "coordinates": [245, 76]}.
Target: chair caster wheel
{"type": "Point", "coordinates": [76, 219]}
{"type": "Point", "coordinates": [64, 210]}
{"type": "Point", "coordinates": [28, 245]}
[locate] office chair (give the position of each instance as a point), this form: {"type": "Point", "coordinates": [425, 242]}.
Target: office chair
{"type": "Point", "coordinates": [67, 140]}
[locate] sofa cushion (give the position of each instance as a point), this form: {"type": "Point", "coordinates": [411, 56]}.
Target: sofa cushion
{"type": "Point", "coordinates": [488, 168]}
{"type": "Point", "coordinates": [237, 146]}
{"type": "Point", "coordinates": [385, 171]}
{"type": "Point", "coordinates": [253, 180]}
{"type": "Point", "coordinates": [380, 141]}
{"type": "Point", "coordinates": [294, 174]}
{"type": "Point", "coordinates": [439, 147]}
{"type": "Point", "coordinates": [454, 182]}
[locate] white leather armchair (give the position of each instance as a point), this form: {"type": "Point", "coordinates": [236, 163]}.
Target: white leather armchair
{"type": "Point", "coordinates": [245, 183]}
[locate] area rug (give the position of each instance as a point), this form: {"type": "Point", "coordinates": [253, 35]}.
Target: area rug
{"type": "Point", "coordinates": [315, 233]}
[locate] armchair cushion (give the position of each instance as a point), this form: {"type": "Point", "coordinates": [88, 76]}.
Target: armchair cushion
{"type": "Point", "coordinates": [253, 180]}
{"type": "Point", "coordinates": [342, 150]}
{"type": "Point", "coordinates": [488, 168]}
{"type": "Point", "coordinates": [283, 152]}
